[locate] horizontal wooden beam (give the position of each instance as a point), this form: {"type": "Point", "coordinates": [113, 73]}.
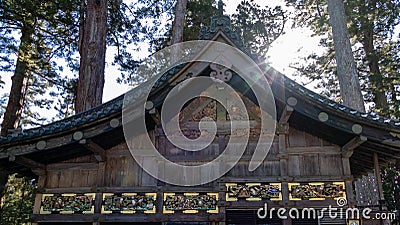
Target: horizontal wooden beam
{"type": "Point", "coordinates": [24, 161]}
{"type": "Point", "coordinates": [54, 141]}
{"type": "Point", "coordinates": [37, 168]}
{"type": "Point", "coordinates": [386, 145]}
{"type": "Point", "coordinates": [275, 179]}
{"type": "Point", "coordinates": [126, 218]}
{"type": "Point", "coordinates": [328, 150]}
{"type": "Point", "coordinates": [371, 150]}
{"type": "Point", "coordinates": [348, 148]}
{"type": "Point", "coordinates": [72, 166]}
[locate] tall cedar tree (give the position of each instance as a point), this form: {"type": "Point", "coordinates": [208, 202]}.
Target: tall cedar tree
{"type": "Point", "coordinates": [93, 53]}
{"type": "Point", "coordinates": [346, 69]}
{"type": "Point", "coordinates": [19, 79]}
{"type": "Point", "coordinates": [179, 22]}
{"type": "Point", "coordinates": [55, 37]}
{"type": "Point", "coordinates": [45, 33]}
{"type": "Point", "coordinates": [48, 30]}
{"type": "Point", "coordinates": [371, 25]}
{"type": "Point", "coordinates": [178, 27]}
{"type": "Point", "coordinates": [372, 28]}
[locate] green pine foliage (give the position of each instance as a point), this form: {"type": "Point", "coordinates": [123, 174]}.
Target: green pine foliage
{"type": "Point", "coordinates": [260, 26]}
{"type": "Point", "coordinates": [52, 54]}
{"type": "Point", "coordinates": [375, 44]}
{"type": "Point", "coordinates": [17, 203]}
{"type": "Point", "coordinates": [51, 28]}
{"type": "Point", "coordinates": [391, 185]}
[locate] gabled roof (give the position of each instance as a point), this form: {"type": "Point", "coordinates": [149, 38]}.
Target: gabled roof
{"type": "Point", "coordinates": [312, 113]}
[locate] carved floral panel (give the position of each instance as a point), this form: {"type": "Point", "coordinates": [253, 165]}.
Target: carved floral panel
{"type": "Point", "coordinates": [253, 191]}
{"type": "Point", "coordinates": [317, 191]}
{"type": "Point", "coordinates": [190, 202]}
{"type": "Point", "coordinates": [128, 203]}
{"type": "Point", "coordinates": [67, 203]}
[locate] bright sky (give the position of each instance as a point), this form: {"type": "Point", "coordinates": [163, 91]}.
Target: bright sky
{"type": "Point", "coordinates": [285, 50]}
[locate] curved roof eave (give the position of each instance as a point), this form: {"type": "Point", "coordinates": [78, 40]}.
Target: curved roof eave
{"type": "Point", "coordinates": [115, 106]}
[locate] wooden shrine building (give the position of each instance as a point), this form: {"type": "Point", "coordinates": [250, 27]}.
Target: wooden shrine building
{"type": "Point", "coordinates": [87, 175]}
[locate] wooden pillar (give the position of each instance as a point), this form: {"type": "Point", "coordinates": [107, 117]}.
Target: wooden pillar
{"type": "Point", "coordinates": [351, 199]}
{"type": "Point", "coordinates": [283, 132]}
{"type": "Point", "coordinates": [101, 173]}
{"type": "Point", "coordinates": [378, 178]}
{"type": "Point", "coordinates": [347, 152]}
{"type": "Point", "coordinates": [222, 208]}
{"type": "Point", "coordinates": [159, 204]}
{"type": "Point", "coordinates": [38, 198]}
{"type": "Point", "coordinates": [99, 184]}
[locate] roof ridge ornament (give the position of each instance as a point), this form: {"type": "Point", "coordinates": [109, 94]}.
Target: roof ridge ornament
{"type": "Point", "coordinates": [220, 8]}
{"type": "Point", "coordinates": [223, 23]}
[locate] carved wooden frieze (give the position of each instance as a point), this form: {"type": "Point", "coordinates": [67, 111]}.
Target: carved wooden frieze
{"type": "Point", "coordinates": [190, 202]}
{"type": "Point", "coordinates": [253, 191]}
{"type": "Point", "coordinates": [198, 109]}
{"type": "Point", "coordinates": [317, 191]}
{"type": "Point", "coordinates": [67, 203]}
{"type": "Point", "coordinates": [128, 203]}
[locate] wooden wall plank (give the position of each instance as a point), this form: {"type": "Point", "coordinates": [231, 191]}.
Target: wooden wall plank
{"type": "Point", "coordinates": [330, 164]}
{"type": "Point", "coordinates": [147, 179]}
{"type": "Point", "coordinates": [296, 138]}
{"type": "Point", "coordinates": [53, 179]}
{"type": "Point", "coordinates": [65, 178]}
{"type": "Point", "coordinates": [294, 165]}
{"type": "Point", "coordinates": [309, 165]}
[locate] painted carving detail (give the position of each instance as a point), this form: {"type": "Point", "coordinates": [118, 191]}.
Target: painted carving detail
{"type": "Point", "coordinates": [271, 191]}
{"type": "Point", "coordinates": [190, 202]}
{"type": "Point", "coordinates": [208, 111]}
{"type": "Point", "coordinates": [67, 203]}
{"type": "Point", "coordinates": [198, 110]}
{"type": "Point", "coordinates": [317, 191]}
{"type": "Point", "coordinates": [128, 203]}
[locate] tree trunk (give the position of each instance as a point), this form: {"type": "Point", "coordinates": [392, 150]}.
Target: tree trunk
{"type": "Point", "coordinates": [19, 81]}
{"type": "Point", "coordinates": [179, 22]}
{"type": "Point", "coordinates": [93, 52]}
{"type": "Point", "coordinates": [350, 89]}
{"type": "Point", "coordinates": [82, 10]}
{"type": "Point", "coordinates": [178, 26]}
